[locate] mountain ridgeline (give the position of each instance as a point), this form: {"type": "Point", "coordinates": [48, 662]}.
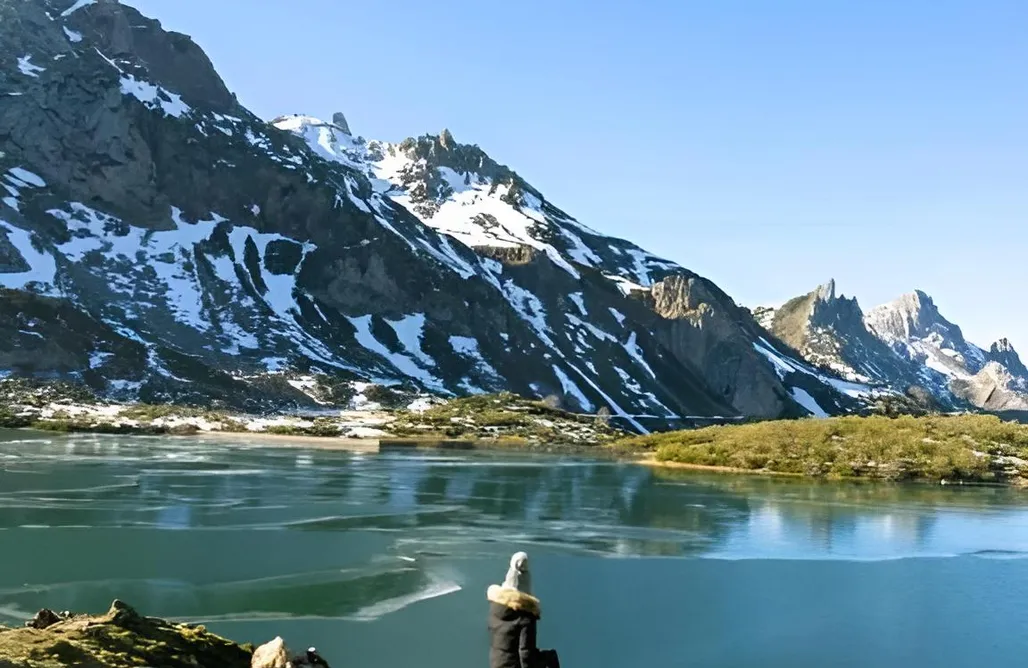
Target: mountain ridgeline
{"type": "Point", "coordinates": [159, 242]}
{"type": "Point", "coordinates": [906, 345]}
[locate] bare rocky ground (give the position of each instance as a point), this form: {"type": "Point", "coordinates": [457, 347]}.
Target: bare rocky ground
{"type": "Point", "coordinates": [376, 414]}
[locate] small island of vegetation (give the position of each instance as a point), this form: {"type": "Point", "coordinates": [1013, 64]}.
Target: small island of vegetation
{"type": "Point", "coordinates": [971, 448]}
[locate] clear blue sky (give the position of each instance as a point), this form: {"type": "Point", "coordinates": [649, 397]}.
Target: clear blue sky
{"type": "Point", "coordinates": [766, 145]}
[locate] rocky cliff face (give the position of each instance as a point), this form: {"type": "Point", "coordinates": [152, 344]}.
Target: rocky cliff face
{"type": "Point", "coordinates": [906, 346]}
{"type": "Point", "coordinates": [158, 241]}
{"type": "Point", "coordinates": [993, 388]}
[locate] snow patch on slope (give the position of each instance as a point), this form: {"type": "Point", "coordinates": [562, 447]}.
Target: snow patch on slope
{"type": "Point", "coordinates": [281, 292]}
{"type": "Point", "coordinates": [27, 177]}
{"type": "Point", "coordinates": [529, 308]}
{"type": "Point", "coordinates": [15, 180]}
{"type": "Point", "coordinates": [26, 67]}
{"type": "Point", "coordinates": [42, 267]}
{"type": "Point", "coordinates": [461, 214]}
{"type": "Point", "coordinates": [576, 297]}
{"type": "Point", "coordinates": [570, 388]}
{"type": "Point", "coordinates": [145, 266]}
{"type": "Point", "coordinates": [804, 399]}
{"type": "Point", "coordinates": [467, 347]}
{"type": "Point", "coordinates": [169, 253]}
{"type": "Point", "coordinates": [784, 366]}
{"type": "Point", "coordinates": [409, 330]}
{"type": "Point", "coordinates": [626, 286]}
{"type": "Point", "coordinates": [631, 347]}
{"type": "Point", "coordinates": [79, 4]}
{"type": "Point", "coordinates": [403, 363]}
{"type": "Point", "coordinates": [154, 97]}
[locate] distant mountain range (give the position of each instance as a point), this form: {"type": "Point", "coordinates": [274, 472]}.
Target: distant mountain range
{"type": "Point", "coordinates": [160, 242]}
{"type": "Point", "coordinates": [905, 345]}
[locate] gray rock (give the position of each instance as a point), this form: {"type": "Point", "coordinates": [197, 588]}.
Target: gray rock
{"type": "Point", "coordinates": [339, 120]}
{"type": "Point", "coordinates": [993, 388]}
{"type": "Point", "coordinates": [45, 618]}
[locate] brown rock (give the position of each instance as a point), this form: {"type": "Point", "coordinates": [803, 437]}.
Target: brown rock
{"type": "Point", "coordinates": [271, 654]}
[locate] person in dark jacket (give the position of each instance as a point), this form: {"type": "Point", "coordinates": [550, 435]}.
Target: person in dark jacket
{"type": "Point", "coordinates": [513, 615]}
{"type": "Point", "coordinates": [309, 658]}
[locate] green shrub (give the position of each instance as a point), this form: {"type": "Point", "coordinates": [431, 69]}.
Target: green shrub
{"type": "Point", "coordinates": [230, 425]}
{"type": "Point", "coordinates": [151, 412]}
{"type": "Point", "coordinates": [285, 430]}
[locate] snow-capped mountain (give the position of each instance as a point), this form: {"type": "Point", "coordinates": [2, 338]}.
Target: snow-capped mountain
{"type": "Point", "coordinates": [913, 326]}
{"type": "Point", "coordinates": [906, 346]}
{"type": "Point", "coordinates": [158, 240]}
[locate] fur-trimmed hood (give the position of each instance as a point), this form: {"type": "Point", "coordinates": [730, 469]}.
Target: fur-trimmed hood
{"type": "Point", "coordinates": [514, 599]}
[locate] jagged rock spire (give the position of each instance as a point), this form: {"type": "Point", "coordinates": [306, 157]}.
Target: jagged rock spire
{"type": "Point", "coordinates": [339, 120]}
{"type": "Point", "coordinates": [826, 292]}
{"type": "Point", "coordinates": [1002, 346]}
{"type": "Point", "coordinates": [446, 139]}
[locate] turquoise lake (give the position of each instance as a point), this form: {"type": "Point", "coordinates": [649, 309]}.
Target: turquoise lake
{"type": "Point", "coordinates": [382, 560]}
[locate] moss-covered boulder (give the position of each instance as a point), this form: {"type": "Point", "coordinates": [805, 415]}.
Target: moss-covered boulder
{"type": "Point", "coordinates": [117, 639]}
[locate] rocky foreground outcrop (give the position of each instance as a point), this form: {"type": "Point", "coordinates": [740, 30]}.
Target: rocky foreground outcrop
{"type": "Point", "coordinates": [122, 637]}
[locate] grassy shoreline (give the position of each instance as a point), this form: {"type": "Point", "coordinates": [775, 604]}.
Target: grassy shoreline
{"type": "Point", "coordinates": [977, 448]}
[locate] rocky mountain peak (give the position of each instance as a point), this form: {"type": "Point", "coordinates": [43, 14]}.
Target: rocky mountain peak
{"type": "Point", "coordinates": [437, 168]}
{"type": "Point", "coordinates": [913, 316]}
{"type": "Point", "coordinates": [1002, 346]}
{"type": "Point", "coordinates": [442, 150]}
{"type": "Point", "coordinates": [1003, 352]}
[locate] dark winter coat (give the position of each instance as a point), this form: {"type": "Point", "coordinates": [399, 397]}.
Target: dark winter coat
{"type": "Point", "coordinates": [512, 625]}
